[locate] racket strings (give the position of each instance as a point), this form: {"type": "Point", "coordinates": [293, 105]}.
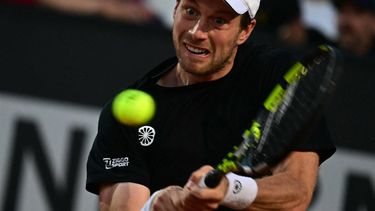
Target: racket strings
{"type": "Point", "coordinates": [307, 88]}
{"type": "Point", "coordinates": [306, 100]}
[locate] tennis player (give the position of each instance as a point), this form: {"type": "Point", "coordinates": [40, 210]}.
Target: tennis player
{"type": "Point", "coordinates": [206, 96]}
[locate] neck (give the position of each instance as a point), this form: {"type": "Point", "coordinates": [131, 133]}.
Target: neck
{"type": "Point", "coordinates": [182, 78]}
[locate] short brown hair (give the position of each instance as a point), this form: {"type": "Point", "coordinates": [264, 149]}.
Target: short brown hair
{"type": "Point", "coordinates": [245, 20]}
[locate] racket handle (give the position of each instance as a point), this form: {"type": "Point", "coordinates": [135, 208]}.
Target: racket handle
{"type": "Point", "coordinates": [212, 179]}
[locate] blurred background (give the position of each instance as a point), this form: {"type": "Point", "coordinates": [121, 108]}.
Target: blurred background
{"type": "Point", "coordinates": [61, 60]}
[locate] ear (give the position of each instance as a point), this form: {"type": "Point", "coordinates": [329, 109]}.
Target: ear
{"type": "Point", "coordinates": [245, 33]}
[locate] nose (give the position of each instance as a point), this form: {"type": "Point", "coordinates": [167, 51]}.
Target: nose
{"type": "Point", "coordinates": [199, 31]}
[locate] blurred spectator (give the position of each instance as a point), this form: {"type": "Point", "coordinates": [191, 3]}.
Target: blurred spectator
{"type": "Point", "coordinates": [132, 11]}
{"type": "Point", "coordinates": [356, 26]}
{"type": "Point", "coordinates": [283, 18]}
{"type": "Point", "coordinates": [163, 9]}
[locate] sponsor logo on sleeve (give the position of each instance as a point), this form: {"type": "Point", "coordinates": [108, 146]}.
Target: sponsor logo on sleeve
{"type": "Point", "coordinates": [110, 163]}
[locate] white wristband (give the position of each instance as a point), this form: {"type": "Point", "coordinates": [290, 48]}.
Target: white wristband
{"type": "Point", "coordinates": [147, 205]}
{"type": "Point", "coordinates": [241, 192]}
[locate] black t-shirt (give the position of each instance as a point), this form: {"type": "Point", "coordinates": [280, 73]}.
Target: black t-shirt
{"type": "Point", "coordinates": [193, 126]}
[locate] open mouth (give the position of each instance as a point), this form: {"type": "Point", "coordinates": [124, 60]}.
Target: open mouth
{"type": "Point", "coordinates": [195, 50]}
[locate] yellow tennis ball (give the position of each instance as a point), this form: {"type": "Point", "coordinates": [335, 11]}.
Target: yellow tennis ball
{"type": "Point", "coordinates": [133, 107]}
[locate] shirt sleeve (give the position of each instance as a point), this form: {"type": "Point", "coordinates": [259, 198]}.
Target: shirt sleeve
{"type": "Point", "coordinates": [318, 139]}
{"type": "Point", "coordinates": [115, 155]}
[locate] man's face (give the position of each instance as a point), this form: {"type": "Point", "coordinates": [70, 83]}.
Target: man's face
{"type": "Point", "coordinates": [206, 34]}
{"type": "Point", "coordinates": [355, 29]}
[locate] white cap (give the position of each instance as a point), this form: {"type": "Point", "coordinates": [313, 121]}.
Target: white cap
{"type": "Point", "coordinates": [242, 6]}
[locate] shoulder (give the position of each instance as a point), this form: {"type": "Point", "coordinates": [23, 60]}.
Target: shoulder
{"type": "Point", "coordinates": [264, 62]}
{"type": "Point", "coordinates": [154, 74]}
{"type": "Point", "coordinates": [264, 55]}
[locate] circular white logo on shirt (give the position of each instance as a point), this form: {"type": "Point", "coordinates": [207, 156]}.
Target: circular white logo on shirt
{"type": "Point", "coordinates": [146, 135]}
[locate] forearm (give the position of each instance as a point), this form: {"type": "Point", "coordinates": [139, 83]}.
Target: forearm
{"type": "Point", "coordinates": [123, 196]}
{"type": "Point", "coordinates": [289, 189]}
{"type": "Point", "coordinates": [280, 193]}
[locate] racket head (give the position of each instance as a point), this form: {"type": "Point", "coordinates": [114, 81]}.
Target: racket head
{"type": "Point", "coordinates": [291, 108]}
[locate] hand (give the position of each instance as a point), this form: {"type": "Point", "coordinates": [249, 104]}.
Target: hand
{"type": "Point", "coordinates": [170, 199]}
{"type": "Point", "coordinates": [204, 198]}
{"type": "Point", "coordinates": [191, 197]}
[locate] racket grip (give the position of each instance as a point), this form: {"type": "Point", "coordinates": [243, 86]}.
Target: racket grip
{"type": "Point", "coordinates": [212, 179]}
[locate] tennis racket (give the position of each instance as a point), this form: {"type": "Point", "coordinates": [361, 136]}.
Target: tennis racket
{"type": "Point", "coordinates": [289, 108]}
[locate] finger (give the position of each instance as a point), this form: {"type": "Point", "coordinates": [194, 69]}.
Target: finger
{"type": "Point", "coordinates": [216, 194]}
{"type": "Point", "coordinates": [177, 197]}
{"type": "Point", "coordinates": [196, 176]}
{"type": "Point", "coordinates": [170, 199]}
{"type": "Point", "coordinates": [193, 203]}
{"type": "Point", "coordinates": [202, 198]}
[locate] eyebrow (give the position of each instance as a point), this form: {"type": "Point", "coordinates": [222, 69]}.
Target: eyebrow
{"type": "Point", "coordinates": [226, 13]}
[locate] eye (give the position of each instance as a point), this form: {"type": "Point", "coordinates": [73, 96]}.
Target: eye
{"type": "Point", "coordinates": [219, 21]}
{"type": "Point", "coordinates": [191, 12]}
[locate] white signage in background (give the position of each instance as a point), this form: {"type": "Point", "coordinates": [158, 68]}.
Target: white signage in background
{"type": "Point", "coordinates": [49, 135]}
{"type": "Point", "coordinates": [346, 183]}
{"type": "Point", "coordinates": [43, 176]}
